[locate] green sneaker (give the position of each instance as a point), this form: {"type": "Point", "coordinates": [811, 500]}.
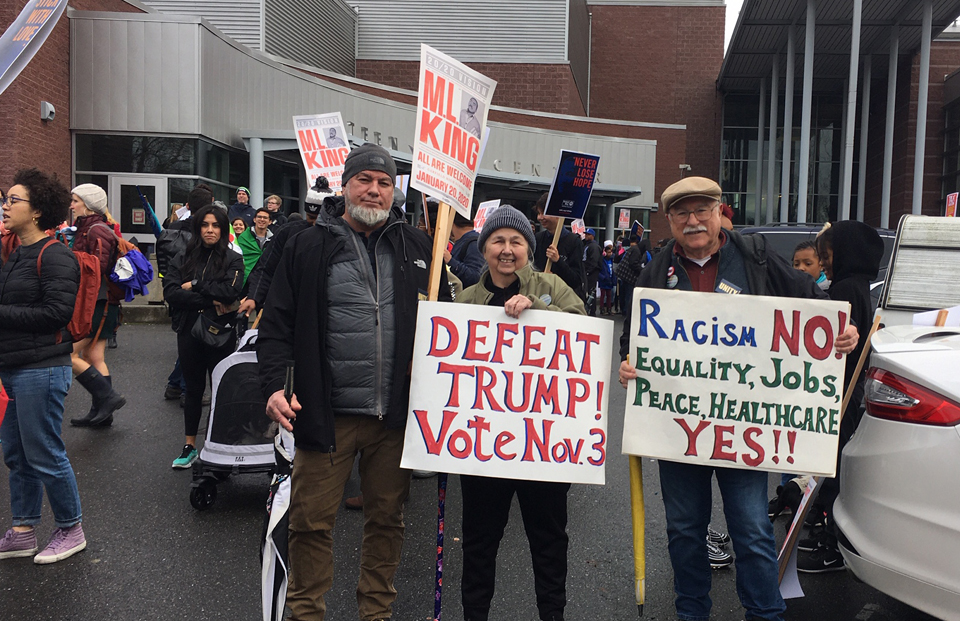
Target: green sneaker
{"type": "Point", "coordinates": [187, 456]}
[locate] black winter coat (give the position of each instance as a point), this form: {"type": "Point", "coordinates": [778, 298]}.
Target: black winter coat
{"type": "Point", "coordinates": [767, 274]}
{"type": "Point", "coordinates": [224, 287]}
{"type": "Point", "coordinates": [258, 282]}
{"type": "Point", "coordinates": [172, 241]}
{"type": "Point", "coordinates": [36, 308]}
{"type": "Point", "coordinates": [295, 319]}
{"type": "Point", "coordinates": [570, 266]}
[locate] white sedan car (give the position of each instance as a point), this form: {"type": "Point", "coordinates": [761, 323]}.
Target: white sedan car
{"type": "Point", "coordinates": [899, 505]}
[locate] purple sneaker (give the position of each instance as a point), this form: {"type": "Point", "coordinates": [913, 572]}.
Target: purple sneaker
{"type": "Point", "coordinates": [65, 543]}
{"type": "Point", "coordinates": [16, 544]}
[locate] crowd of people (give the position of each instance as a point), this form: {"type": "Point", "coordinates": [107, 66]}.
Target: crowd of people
{"type": "Point", "coordinates": [338, 290]}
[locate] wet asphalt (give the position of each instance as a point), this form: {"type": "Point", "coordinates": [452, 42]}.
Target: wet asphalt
{"type": "Point", "coordinates": [151, 555]}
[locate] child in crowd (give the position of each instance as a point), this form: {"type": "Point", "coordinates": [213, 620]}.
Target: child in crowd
{"type": "Point", "coordinates": [807, 259]}
{"type": "Point", "coordinates": [607, 280]}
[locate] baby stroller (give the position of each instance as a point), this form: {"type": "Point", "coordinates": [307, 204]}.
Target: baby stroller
{"type": "Point", "coordinates": [239, 436]}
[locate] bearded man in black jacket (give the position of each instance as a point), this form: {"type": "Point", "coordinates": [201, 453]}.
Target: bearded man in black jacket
{"type": "Point", "coordinates": [342, 311]}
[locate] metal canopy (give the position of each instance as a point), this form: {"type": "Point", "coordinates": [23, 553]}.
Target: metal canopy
{"type": "Point", "coordinates": [509, 185]}
{"type": "Point", "coordinates": [762, 30]}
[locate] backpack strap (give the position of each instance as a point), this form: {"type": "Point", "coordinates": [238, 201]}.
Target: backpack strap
{"type": "Point", "coordinates": [39, 256]}
{"type": "Point", "coordinates": [40, 276]}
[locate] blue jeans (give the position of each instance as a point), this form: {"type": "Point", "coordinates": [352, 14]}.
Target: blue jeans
{"type": "Point", "coordinates": [687, 498]}
{"type": "Point", "coordinates": [33, 449]}
{"type": "Point", "coordinates": [176, 377]}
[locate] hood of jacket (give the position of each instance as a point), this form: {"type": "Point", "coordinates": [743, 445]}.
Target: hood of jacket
{"type": "Point", "coordinates": [857, 250]}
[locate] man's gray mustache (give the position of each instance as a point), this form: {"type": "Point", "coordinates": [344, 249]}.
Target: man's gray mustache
{"type": "Point", "coordinates": [694, 229]}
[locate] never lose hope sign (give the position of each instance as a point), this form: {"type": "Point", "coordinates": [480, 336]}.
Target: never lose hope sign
{"type": "Point", "coordinates": [509, 398]}
{"type": "Point", "coordinates": [733, 381]}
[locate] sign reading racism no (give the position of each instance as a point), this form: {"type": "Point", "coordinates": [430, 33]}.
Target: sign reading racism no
{"type": "Point", "coordinates": [509, 398]}
{"type": "Point", "coordinates": [732, 381]}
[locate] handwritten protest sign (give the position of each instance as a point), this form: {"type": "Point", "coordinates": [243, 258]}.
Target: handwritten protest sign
{"type": "Point", "coordinates": [509, 398]}
{"type": "Point", "coordinates": [324, 146]}
{"type": "Point", "coordinates": [623, 220]}
{"type": "Point", "coordinates": [572, 185]}
{"type": "Point", "coordinates": [451, 116]}
{"type": "Point", "coordinates": [735, 382]}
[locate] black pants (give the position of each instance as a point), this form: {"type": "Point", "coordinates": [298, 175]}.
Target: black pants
{"type": "Point", "coordinates": [486, 508]}
{"type": "Point", "coordinates": [196, 361]}
{"type": "Point", "coordinates": [830, 488]}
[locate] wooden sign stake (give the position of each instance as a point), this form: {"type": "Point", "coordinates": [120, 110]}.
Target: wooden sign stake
{"type": "Point", "coordinates": [440, 238]}
{"type": "Point", "coordinates": [556, 240]}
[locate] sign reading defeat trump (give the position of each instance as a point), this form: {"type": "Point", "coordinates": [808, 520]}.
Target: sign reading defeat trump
{"type": "Point", "coordinates": [509, 398]}
{"type": "Point", "coordinates": [735, 381]}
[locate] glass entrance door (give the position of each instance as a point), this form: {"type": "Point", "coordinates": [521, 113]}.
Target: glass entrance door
{"type": "Point", "coordinates": [130, 201]}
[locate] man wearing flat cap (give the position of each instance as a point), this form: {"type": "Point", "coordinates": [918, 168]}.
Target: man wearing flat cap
{"type": "Point", "coordinates": [701, 257]}
{"type": "Point", "coordinates": [341, 310]}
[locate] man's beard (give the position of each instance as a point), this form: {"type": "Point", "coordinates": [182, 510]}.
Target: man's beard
{"type": "Point", "coordinates": [369, 216]}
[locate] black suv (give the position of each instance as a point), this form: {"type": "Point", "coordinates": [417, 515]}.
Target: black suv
{"type": "Point", "coordinates": [784, 237]}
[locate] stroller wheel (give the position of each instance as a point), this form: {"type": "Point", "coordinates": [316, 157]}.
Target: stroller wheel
{"type": "Point", "coordinates": [203, 495]}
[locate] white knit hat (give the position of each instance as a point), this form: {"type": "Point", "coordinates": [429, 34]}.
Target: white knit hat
{"type": "Point", "coordinates": [92, 196]}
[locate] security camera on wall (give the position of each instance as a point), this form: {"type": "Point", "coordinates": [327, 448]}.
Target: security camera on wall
{"type": "Point", "coordinates": [47, 111]}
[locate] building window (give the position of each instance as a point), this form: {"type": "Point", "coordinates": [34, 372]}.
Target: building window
{"type": "Point", "coordinates": [186, 162]}
{"type": "Point", "coordinates": [739, 152]}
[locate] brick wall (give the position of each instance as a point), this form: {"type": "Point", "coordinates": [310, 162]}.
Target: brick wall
{"type": "Point", "coordinates": [944, 58]}
{"type": "Point", "coordinates": [660, 64]}
{"type": "Point", "coordinates": [542, 87]}
{"type": "Point", "coordinates": [27, 141]}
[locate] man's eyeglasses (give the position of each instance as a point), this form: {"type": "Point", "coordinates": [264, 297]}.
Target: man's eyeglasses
{"type": "Point", "coordinates": [262, 218]}
{"type": "Point", "coordinates": [702, 213]}
{"type": "Point", "coordinates": [12, 200]}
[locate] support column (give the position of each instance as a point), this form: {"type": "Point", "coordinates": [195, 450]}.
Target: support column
{"type": "Point", "coordinates": [255, 182]}
{"type": "Point", "coordinates": [921, 145]}
{"type": "Point", "coordinates": [845, 123]}
{"type": "Point", "coordinates": [803, 175]}
{"type": "Point", "coordinates": [888, 130]}
{"type": "Point", "coordinates": [846, 180]}
{"type": "Point", "coordinates": [760, 126]}
{"type": "Point", "coordinates": [611, 223]}
{"type": "Point", "coordinates": [788, 127]}
{"type": "Point", "coordinates": [772, 147]}
{"type": "Point", "coordinates": [864, 136]}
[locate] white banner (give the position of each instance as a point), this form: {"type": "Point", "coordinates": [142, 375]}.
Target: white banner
{"type": "Point", "coordinates": [737, 382]}
{"type": "Point", "coordinates": [452, 112]}
{"type": "Point", "coordinates": [509, 398]}
{"type": "Point", "coordinates": [324, 146]}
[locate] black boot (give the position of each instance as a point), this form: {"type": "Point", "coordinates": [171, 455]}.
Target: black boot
{"type": "Point", "coordinates": [107, 400]}
{"type": "Point", "coordinates": [86, 421]}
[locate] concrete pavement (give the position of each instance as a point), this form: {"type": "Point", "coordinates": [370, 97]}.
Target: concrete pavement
{"type": "Point", "coordinates": [152, 556]}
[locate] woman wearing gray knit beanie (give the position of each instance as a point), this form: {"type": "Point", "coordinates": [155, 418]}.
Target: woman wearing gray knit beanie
{"type": "Point", "coordinates": [506, 243]}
